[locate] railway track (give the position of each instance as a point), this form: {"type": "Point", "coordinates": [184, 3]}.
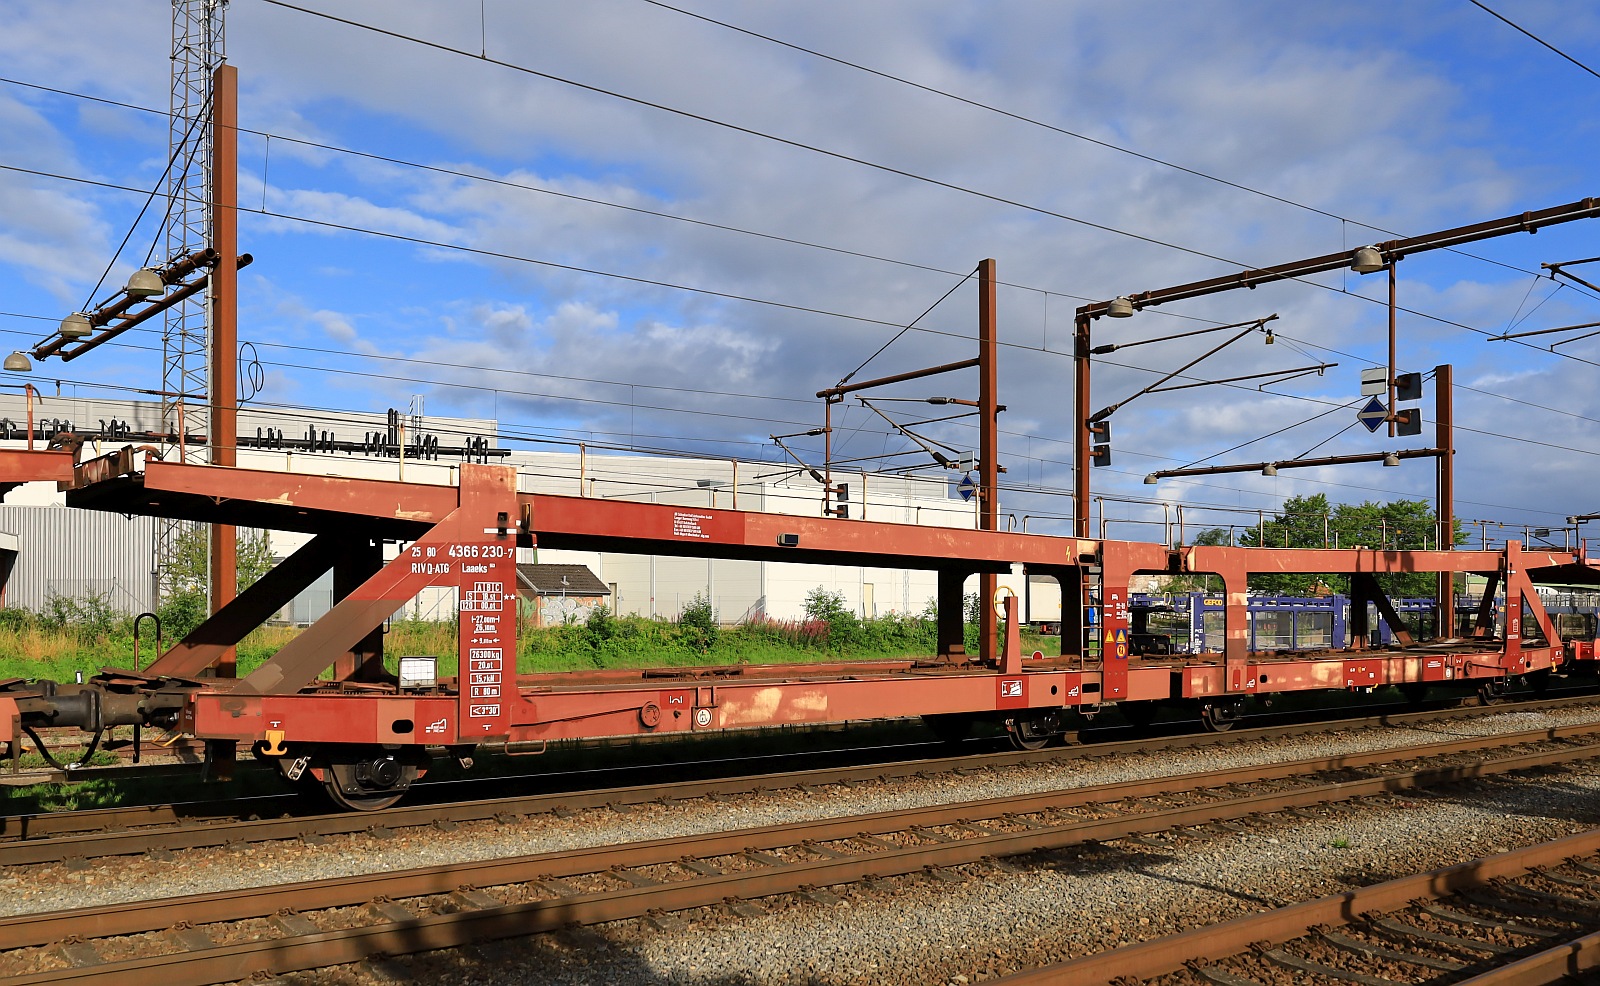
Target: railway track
{"type": "Point", "coordinates": [89, 834]}
{"type": "Point", "coordinates": [1528, 916]}
{"type": "Point", "coordinates": [213, 937]}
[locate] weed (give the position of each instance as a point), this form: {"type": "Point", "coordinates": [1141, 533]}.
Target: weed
{"type": "Point", "coordinates": [34, 760]}
{"type": "Point", "coordinates": [30, 648]}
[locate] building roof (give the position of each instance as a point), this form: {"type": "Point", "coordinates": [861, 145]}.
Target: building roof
{"type": "Point", "coordinates": [559, 580]}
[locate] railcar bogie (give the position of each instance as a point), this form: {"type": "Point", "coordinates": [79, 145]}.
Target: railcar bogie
{"type": "Point", "coordinates": [1219, 717]}
{"type": "Point", "coordinates": [1036, 730]}
{"type": "Point", "coordinates": [352, 776]}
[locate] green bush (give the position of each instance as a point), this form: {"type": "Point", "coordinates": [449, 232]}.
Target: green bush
{"type": "Point", "coordinates": [181, 613]}
{"type": "Point", "coordinates": [697, 624]}
{"type": "Point", "coordinates": [89, 618]}
{"type": "Point", "coordinates": [828, 607]}
{"type": "Point", "coordinates": [823, 605]}
{"type": "Point", "coordinates": [830, 628]}
{"type": "Point", "coordinates": [897, 634]}
{"type": "Point", "coordinates": [600, 626]}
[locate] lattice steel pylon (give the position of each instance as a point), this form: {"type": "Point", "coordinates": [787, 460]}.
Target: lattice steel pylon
{"type": "Point", "coordinates": [198, 47]}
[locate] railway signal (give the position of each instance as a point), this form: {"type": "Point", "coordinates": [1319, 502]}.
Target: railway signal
{"type": "Point", "coordinates": [1100, 437]}
{"type": "Point", "coordinates": [1407, 387]}
{"type": "Point", "coordinates": [842, 494]}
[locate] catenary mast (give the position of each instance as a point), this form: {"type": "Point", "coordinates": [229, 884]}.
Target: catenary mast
{"type": "Point", "coordinates": [198, 47]}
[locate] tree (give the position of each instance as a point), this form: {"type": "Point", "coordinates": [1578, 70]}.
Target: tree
{"type": "Point", "coordinates": [1200, 582]}
{"type": "Point", "coordinates": [1309, 522]}
{"type": "Point", "coordinates": [1214, 536]}
{"type": "Point", "coordinates": [190, 570]}
{"type": "Point", "coordinates": [190, 574]}
{"type": "Point", "coordinates": [1304, 522]}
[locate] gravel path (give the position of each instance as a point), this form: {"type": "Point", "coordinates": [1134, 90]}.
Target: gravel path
{"type": "Point", "coordinates": [915, 929]}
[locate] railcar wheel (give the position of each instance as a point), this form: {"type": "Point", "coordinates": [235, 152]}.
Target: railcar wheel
{"type": "Point", "coordinates": [1493, 691]}
{"type": "Point", "coordinates": [370, 783]}
{"type": "Point", "coordinates": [1033, 734]}
{"type": "Point", "coordinates": [1219, 718]}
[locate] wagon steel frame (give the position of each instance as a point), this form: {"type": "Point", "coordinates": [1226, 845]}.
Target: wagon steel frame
{"type": "Point", "coordinates": [466, 535]}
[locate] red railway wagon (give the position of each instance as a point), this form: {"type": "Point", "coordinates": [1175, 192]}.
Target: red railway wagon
{"type": "Point", "coordinates": [366, 737]}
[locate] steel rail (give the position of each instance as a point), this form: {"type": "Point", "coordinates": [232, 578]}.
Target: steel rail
{"type": "Point", "coordinates": [1549, 966]}
{"type": "Point", "coordinates": [434, 931]}
{"type": "Point", "coordinates": [93, 833]}
{"type": "Point", "coordinates": [134, 918]}
{"type": "Point", "coordinates": [1160, 956]}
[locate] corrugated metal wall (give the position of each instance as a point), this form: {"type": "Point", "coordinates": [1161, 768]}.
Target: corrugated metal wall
{"type": "Point", "coordinates": [77, 554]}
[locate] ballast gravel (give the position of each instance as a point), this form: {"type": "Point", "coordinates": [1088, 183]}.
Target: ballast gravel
{"type": "Point", "coordinates": [915, 929]}
{"type": "Point", "coordinates": [1063, 904]}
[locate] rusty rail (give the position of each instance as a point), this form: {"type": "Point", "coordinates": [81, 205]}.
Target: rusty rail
{"type": "Point", "coordinates": [1160, 956]}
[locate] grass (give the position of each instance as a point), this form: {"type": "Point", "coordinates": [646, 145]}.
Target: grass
{"type": "Point", "coordinates": [79, 796]}
{"type": "Point", "coordinates": [33, 650]}
{"type": "Point", "coordinates": [57, 653]}
{"type": "Point", "coordinates": [34, 760]}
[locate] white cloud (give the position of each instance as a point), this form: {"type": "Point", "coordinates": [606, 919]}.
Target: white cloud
{"type": "Point", "coordinates": [1389, 120]}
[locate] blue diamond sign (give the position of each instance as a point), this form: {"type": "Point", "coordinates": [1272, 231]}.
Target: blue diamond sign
{"type": "Point", "coordinates": [1373, 415]}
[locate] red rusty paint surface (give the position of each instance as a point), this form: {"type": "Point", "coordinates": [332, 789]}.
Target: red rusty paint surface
{"type": "Point", "coordinates": [486, 576]}
{"type": "Point", "coordinates": [25, 466]}
{"type": "Point", "coordinates": [700, 527]}
{"type": "Point", "coordinates": [1366, 673]}
{"type": "Point", "coordinates": [467, 549]}
{"type": "Point", "coordinates": [617, 711]}
{"type": "Point", "coordinates": [1120, 561]}
{"type": "Point", "coordinates": [630, 711]}
{"type": "Point", "coordinates": [101, 468]}
{"type": "Point", "coordinates": [363, 719]}
{"type": "Point", "coordinates": [1149, 684]}
{"type": "Point", "coordinates": [419, 502]}
{"type": "Point", "coordinates": [1370, 670]}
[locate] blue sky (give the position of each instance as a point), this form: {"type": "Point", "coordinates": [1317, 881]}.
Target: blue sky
{"type": "Point", "coordinates": [1406, 117]}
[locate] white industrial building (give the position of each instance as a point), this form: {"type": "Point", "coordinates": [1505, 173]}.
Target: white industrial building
{"type": "Point", "coordinates": [77, 553]}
